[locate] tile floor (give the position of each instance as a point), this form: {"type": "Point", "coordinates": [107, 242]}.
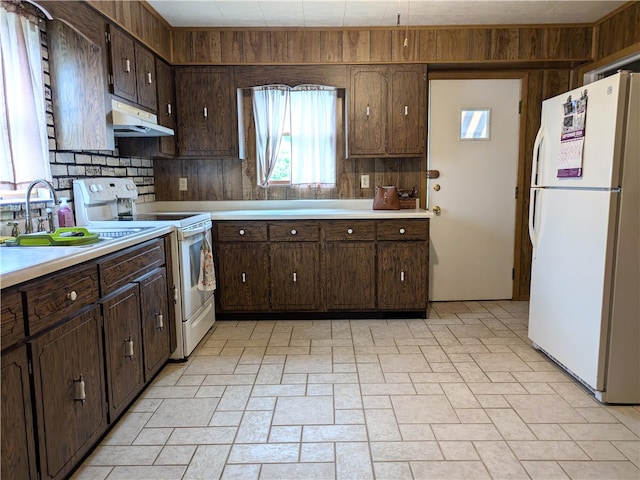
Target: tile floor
{"type": "Point", "coordinates": [459, 395]}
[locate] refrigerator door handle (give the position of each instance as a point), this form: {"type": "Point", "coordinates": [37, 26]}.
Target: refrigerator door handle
{"type": "Point", "coordinates": [536, 152]}
{"type": "Point", "coordinates": [534, 210]}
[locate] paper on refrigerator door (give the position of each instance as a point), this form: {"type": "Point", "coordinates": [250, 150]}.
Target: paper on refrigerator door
{"type": "Point", "coordinates": [572, 138]}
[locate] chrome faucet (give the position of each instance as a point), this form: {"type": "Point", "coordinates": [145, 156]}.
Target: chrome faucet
{"type": "Point", "coordinates": [28, 225]}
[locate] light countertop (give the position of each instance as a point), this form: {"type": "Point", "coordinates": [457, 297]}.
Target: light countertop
{"type": "Point", "coordinates": [20, 264]}
{"type": "Point", "coordinates": [287, 210]}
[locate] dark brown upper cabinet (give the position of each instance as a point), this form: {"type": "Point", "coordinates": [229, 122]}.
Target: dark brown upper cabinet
{"type": "Point", "coordinates": [156, 147]}
{"type": "Point", "coordinates": [387, 111]}
{"type": "Point", "coordinates": [166, 107]}
{"type": "Point", "coordinates": [133, 72]}
{"type": "Point", "coordinates": [77, 89]}
{"type": "Point", "coordinates": [206, 112]}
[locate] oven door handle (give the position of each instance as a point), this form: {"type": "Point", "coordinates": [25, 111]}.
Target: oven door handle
{"type": "Point", "coordinates": [195, 231]}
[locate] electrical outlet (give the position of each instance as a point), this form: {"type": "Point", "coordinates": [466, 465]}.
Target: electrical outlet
{"type": "Point", "coordinates": [183, 185]}
{"type": "Point", "coordinates": [364, 181]}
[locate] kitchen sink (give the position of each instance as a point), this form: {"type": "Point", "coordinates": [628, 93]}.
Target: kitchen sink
{"type": "Point", "coordinates": [114, 233]}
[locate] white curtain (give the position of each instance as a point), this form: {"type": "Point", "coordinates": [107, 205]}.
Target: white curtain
{"type": "Point", "coordinates": [24, 146]}
{"type": "Point", "coordinates": [270, 105]}
{"type": "Point", "coordinates": [313, 135]}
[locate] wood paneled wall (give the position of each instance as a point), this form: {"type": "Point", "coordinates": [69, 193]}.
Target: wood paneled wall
{"type": "Point", "coordinates": [441, 45]}
{"type": "Point", "coordinates": [141, 20]}
{"type": "Point", "coordinates": [617, 31]}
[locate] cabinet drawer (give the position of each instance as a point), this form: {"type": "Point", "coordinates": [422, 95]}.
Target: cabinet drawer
{"type": "Point", "coordinates": [403, 230]}
{"type": "Point", "coordinates": [344, 230]}
{"type": "Point", "coordinates": [12, 318]}
{"type": "Point", "coordinates": [294, 231]}
{"type": "Point", "coordinates": [242, 231]}
{"type": "Point", "coordinates": [60, 295]}
{"type": "Point", "coordinates": [123, 267]}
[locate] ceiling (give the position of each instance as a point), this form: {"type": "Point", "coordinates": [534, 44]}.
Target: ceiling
{"type": "Point", "coordinates": [377, 13]}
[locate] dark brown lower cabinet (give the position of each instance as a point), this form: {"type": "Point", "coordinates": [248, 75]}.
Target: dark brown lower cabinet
{"type": "Point", "coordinates": [70, 404]}
{"type": "Point", "coordinates": [334, 266]}
{"type": "Point", "coordinates": [350, 275]}
{"type": "Point", "coordinates": [295, 276]}
{"type": "Point", "coordinates": [402, 275]}
{"type": "Point", "coordinates": [18, 442]}
{"type": "Point", "coordinates": [123, 348]}
{"type": "Point", "coordinates": [154, 315]}
{"type": "Point", "coordinates": [243, 273]}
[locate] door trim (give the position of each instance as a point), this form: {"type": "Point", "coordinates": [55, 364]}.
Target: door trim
{"type": "Point", "coordinates": [520, 250]}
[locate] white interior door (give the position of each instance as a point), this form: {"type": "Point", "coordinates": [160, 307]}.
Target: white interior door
{"type": "Point", "coordinates": [472, 238]}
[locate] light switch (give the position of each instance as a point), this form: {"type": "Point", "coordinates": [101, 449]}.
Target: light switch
{"type": "Point", "coordinates": [364, 181]}
{"type": "Point", "coordinates": [183, 185]}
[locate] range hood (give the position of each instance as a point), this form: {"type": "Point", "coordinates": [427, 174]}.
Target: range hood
{"type": "Point", "coordinates": [130, 121]}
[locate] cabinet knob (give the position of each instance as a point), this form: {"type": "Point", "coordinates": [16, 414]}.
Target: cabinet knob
{"type": "Point", "coordinates": [205, 112]}
{"type": "Point", "coordinates": [402, 276]}
{"type": "Point", "coordinates": [127, 65]}
{"type": "Point", "coordinates": [293, 231]}
{"type": "Point", "coordinates": [149, 80]}
{"type": "Point", "coordinates": [350, 231]}
{"type": "Point", "coordinates": [241, 232]}
{"type": "Point", "coordinates": [295, 277]}
{"type": "Point", "coordinates": [402, 231]}
{"type": "Point", "coordinates": [159, 321]}
{"type": "Point", "coordinates": [244, 277]}
{"type": "Point", "coordinates": [368, 110]}
{"type": "Point", "coordinates": [168, 109]}
{"type": "Point", "coordinates": [72, 295]}
{"type": "Point", "coordinates": [406, 110]}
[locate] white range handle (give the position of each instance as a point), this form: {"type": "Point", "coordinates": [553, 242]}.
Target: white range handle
{"type": "Point", "coordinates": [190, 233]}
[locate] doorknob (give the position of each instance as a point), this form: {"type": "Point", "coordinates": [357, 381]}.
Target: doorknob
{"type": "Point", "coordinates": [436, 209]}
{"type": "Point", "coordinates": [436, 187]}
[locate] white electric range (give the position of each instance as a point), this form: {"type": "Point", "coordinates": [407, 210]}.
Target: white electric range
{"type": "Point", "coordinates": [110, 203]}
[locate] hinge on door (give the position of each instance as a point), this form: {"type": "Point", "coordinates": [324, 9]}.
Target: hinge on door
{"type": "Point", "coordinates": [107, 35]}
{"type": "Point", "coordinates": [520, 106]}
{"type": "Point", "coordinates": [30, 367]}
{"type": "Point", "coordinates": [513, 274]}
{"type": "Point", "coordinates": [110, 79]}
{"type": "Point", "coordinates": [516, 192]}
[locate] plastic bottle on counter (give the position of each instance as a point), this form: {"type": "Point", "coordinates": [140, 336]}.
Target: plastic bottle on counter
{"type": "Point", "coordinates": [65, 215]}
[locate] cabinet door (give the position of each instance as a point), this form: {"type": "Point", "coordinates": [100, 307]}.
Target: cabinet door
{"type": "Point", "coordinates": [146, 78]}
{"type": "Point", "coordinates": [368, 111]}
{"type": "Point", "coordinates": [243, 273]}
{"type": "Point", "coordinates": [402, 275]}
{"type": "Point", "coordinates": [350, 275]}
{"type": "Point", "coordinates": [123, 348]}
{"type": "Point", "coordinates": [154, 309]}
{"type": "Point", "coordinates": [295, 276]}
{"type": "Point", "coordinates": [69, 392]}
{"type": "Point", "coordinates": [406, 110]}
{"type": "Point", "coordinates": [123, 69]}
{"type": "Point", "coordinates": [206, 114]}
{"type": "Point", "coordinates": [18, 444]}
{"type": "Point", "coordinates": [166, 106]}
{"type": "Point", "coordinates": [77, 89]}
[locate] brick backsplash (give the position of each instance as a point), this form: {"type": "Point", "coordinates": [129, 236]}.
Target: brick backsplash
{"type": "Point", "coordinates": [69, 165]}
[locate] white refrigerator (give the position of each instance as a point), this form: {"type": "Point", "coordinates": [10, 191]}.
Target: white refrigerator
{"type": "Point", "coordinates": [584, 224]}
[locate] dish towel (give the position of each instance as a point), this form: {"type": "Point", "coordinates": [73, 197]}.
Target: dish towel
{"type": "Point", "coordinates": [207, 276]}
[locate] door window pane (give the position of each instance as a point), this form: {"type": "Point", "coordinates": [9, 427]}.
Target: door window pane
{"type": "Point", "coordinates": [475, 123]}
